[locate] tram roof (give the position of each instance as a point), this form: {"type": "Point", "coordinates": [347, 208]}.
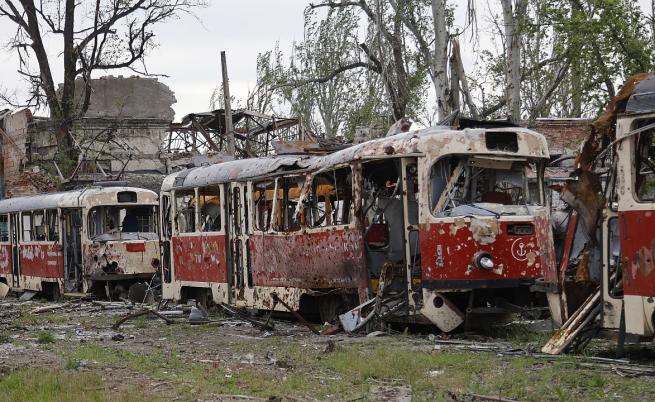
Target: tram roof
{"type": "Point", "coordinates": [86, 197]}
{"type": "Point", "coordinates": [430, 140]}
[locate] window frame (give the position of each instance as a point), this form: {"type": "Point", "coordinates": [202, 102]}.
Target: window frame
{"type": "Point", "coordinates": [22, 216]}
{"type": "Point", "coordinates": [538, 163]}
{"type": "Point", "coordinates": [8, 222]}
{"type": "Point", "coordinates": [309, 190]}
{"type": "Point", "coordinates": [221, 205]}
{"type": "Point", "coordinates": [633, 165]}
{"type": "Point", "coordinates": [176, 227]}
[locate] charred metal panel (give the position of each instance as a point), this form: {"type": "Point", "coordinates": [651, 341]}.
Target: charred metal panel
{"type": "Point", "coordinates": [449, 249]}
{"type": "Point", "coordinates": [6, 262]}
{"type": "Point", "coordinates": [321, 259]}
{"type": "Point", "coordinates": [638, 252]}
{"type": "Point", "coordinates": [200, 258]}
{"type": "Point", "coordinates": [42, 260]}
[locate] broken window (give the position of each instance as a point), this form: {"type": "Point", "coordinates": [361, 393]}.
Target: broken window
{"type": "Point", "coordinates": [166, 215]}
{"type": "Point", "coordinates": [210, 209]}
{"type": "Point", "coordinates": [483, 185]}
{"type": "Point", "coordinates": [4, 228]}
{"type": "Point", "coordinates": [263, 194]}
{"type": "Point", "coordinates": [185, 211]}
{"type": "Point", "coordinates": [39, 232]}
{"type": "Point", "coordinates": [52, 224]}
{"type": "Point", "coordinates": [383, 213]}
{"type": "Point", "coordinates": [26, 223]}
{"type": "Point", "coordinates": [330, 198]}
{"type": "Point", "coordinates": [645, 164]}
{"type": "Point", "coordinates": [288, 195]}
{"type": "Point", "coordinates": [124, 222]}
{"type": "Point", "coordinates": [501, 141]}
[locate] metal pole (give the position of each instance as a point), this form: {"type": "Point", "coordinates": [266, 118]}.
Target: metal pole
{"type": "Point", "coordinates": [229, 130]}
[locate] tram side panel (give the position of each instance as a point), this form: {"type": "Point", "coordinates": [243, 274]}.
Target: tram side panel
{"type": "Point", "coordinates": [6, 263]}
{"type": "Point", "coordinates": [200, 258]}
{"type": "Point", "coordinates": [322, 259]}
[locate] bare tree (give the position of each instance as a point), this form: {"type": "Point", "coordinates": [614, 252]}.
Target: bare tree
{"type": "Point", "coordinates": [99, 35]}
{"type": "Point", "coordinates": [513, 13]}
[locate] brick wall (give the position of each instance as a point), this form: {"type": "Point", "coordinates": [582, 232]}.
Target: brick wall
{"type": "Point", "coordinates": [563, 135]}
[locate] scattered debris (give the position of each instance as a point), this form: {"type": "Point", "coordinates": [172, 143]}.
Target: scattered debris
{"type": "Point", "coordinates": [198, 314]}
{"type": "Point", "coordinates": [27, 295]}
{"type": "Point", "coordinates": [334, 329]}
{"type": "Point", "coordinates": [467, 397]}
{"type": "Point", "coordinates": [575, 326]}
{"type": "Point", "coordinates": [120, 322]}
{"type": "Point", "coordinates": [300, 318]}
{"type": "Point", "coordinates": [387, 393]}
{"type": "Point", "coordinates": [49, 308]}
{"type": "Point", "coordinates": [264, 326]}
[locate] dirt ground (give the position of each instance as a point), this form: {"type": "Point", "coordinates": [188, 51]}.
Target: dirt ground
{"type": "Point", "coordinates": [73, 354]}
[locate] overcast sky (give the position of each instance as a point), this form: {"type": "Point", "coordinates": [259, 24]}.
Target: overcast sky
{"type": "Point", "coordinates": [189, 49]}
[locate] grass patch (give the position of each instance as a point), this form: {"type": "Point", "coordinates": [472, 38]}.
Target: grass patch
{"type": "Point", "coordinates": [32, 384]}
{"type": "Point", "coordinates": [45, 337]}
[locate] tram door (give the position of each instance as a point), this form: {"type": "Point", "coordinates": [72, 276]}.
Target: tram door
{"type": "Point", "coordinates": [166, 225]}
{"type": "Point", "coordinates": [15, 254]}
{"type": "Point", "coordinates": [71, 220]}
{"type": "Point", "coordinates": [410, 187]}
{"type": "Point", "coordinates": [238, 235]}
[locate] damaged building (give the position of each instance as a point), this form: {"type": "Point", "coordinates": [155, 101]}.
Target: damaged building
{"type": "Point", "coordinates": [119, 137]}
{"type": "Point", "coordinates": [128, 134]}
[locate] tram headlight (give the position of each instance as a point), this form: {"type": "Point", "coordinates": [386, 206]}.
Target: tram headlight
{"type": "Point", "coordinates": [483, 260]}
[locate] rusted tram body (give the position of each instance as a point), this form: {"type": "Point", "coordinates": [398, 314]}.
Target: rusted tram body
{"type": "Point", "coordinates": [444, 222]}
{"type": "Point", "coordinates": [94, 239]}
{"type": "Point", "coordinates": [618, 255]}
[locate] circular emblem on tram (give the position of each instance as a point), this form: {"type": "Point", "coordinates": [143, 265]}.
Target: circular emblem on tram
{"type": "Point", "coordinates": [521, 249]}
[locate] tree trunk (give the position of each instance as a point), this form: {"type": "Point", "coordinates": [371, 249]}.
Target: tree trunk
{"type": "Point", "coordinates": [440, 60]}
{"type": "Point", "coordinates": [512, 16]}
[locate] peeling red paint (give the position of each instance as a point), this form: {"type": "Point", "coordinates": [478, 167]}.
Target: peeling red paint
{"type": "Point", "coordinates": [42, 260]}
{"type": "Point", "coordinates": [200, 258]}
{"type": "Point", "coordinates": [326, 259]}
{"type": "Point", "coordinates": [6, 261]}
{"type": "Point", "coordinates": [448, 250]}
{"type": "Point", "coordinates": [638, 251]}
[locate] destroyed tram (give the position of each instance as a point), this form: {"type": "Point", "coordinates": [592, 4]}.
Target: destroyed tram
{"type": "Point", "coordinates": [97, 239]}
{"type": "Point", "coordinates": [432, 226]}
